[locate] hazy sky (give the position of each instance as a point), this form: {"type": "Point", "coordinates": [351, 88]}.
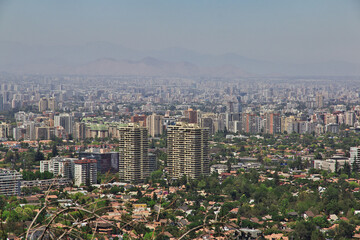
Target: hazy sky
{"type": "Point", "coordinates": [279, 30]}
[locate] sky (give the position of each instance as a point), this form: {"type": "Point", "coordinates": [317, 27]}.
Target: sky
{"type": "Point", "coordinates": [292, 31]}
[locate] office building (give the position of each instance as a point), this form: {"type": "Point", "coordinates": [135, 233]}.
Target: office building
{"type": "Point", "coordinates": [187, 151]}
{"type": "Point", "coordinates": [106, 161]}
{"type": "Point", "coordinates": [133, 153]}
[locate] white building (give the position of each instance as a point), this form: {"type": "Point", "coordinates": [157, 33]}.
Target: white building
{"type": "Point", "coordinates": [64, 120]}
{"type": "Point", "coordinates": [355, 156]}
{"type": "Point", "coordinates": [10, 182]}
{"type": "Point", "coordinates": [59, 166]}
{"type": "Point", "coordinates": [85, 172]}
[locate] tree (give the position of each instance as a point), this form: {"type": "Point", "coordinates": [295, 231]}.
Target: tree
{"type": "Point", "coordinates": [139, 194]}
{"type": "Point", "coordinates": [3, 234]}
{"type": "Point", "coordinates": [354, 167]}
{"type": "Point", "coordinates": [345, 230]}
{"type": "Point", "coordinates": [347, 169]}
{"type": "Point", "coordinates": [304, 230]}
{"type": "Point", "coordinates": [156, 175]}
{"type": "Point", "coordinates": [54, 150]}
{"type": "Point", "coordinates": [39, 155]}
{"type": "Point", "coordinates": [318, 156]}
{"type": "Point", "coordinates": [9, 156]}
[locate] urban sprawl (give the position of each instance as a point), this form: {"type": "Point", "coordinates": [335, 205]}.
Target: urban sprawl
{"type": "Point", "coordinates": [133, 157]}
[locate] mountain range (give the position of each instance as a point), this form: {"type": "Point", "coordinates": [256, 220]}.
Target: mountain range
{"type": "Point", "coordinates": [101, 58]}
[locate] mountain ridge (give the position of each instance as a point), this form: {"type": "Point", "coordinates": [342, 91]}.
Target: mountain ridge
{"type": "Point", "coordinates": [23, 58]}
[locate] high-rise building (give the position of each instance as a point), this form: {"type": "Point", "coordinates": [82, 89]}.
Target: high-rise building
{"type": "Point", "coordinates": [52, 104]}
{"type": "Point", "coordinates": [5, 130]}
{"type": "Point", "coordinates": [10, 182]}
{"type": "Point", "coordinates": [44, 133]}
{"type": "Point", "coordinates": [230, 107]}
{"type": "Point", "coordinates": [64, 120]}
{"type": "Point", "coordinates": [192, 115]}
{"type": "Point", "coordinates": [250, 123]}
{"type": "Point", "coordinates": [43, 104]}
{"type": "Point", "coordinates": [79, 130]}
{"type": "Point", "coordinates": [355, 157]}
{"type": "Point", "coordinates": [350, 118]}
{"type": "Point", "coordinates": [152, 162]}
{"type": "Point", "coordinates": [238, 106]}
{"type": "Point", "coordinates": [207, 122]}
{"type": "Point", "coordinates": [133, 153]}
{"type": "Point", "coordinates": [319, 100]}
{"type": "Point", "coordinates": [59, 166]}
{"type": "Point", "coordinates": [85, 172]}
{"type": "Point", "coordinates": [140, 119]}
{"type": "Point", "coordinates": [230, 119]}
{"type": "Point", "coordinates": [155, 125]}
{"type": "Point", "coordinates": [1, 103]}
{"type": "Point", "coordinates": [273, 123]}
{"type": "Point", "coordinates": [106, 161]}
{"type": "Point", "coordinates": [187, 151]}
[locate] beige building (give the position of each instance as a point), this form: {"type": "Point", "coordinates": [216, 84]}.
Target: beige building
{"type": "Point", "coordinates": [79, 130]}
{"type": "Point", "coordinates": [47, 104]}
{"type": "Point", "coordinates": [133, 157]}
{"type": "Point", "coordinates": [44, 133]}
{"type": "Point", "coordinates": [52, 104]}
{"type": "Point", "coordinates": [319, 100]}
{"type": "Point", "coordinates": [187, 150]}
{"type": "Point", "coordinates": [43, 104]}
{"type": "Point", "coordinates": [155, 125]}
{"type": "Point", "coordinates": [5, 130]}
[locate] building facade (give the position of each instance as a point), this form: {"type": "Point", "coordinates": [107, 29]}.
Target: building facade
{"type": "Point", "coordinates": [187, 151]}
{"type": "Point", "coordinates": [133, 156]}
{"type": "Point", "coordinates": [10, 182]}
{"type": "Point", "coordinates": [85, 172]}
{"type": "Point", "coordinates": [59, 166]}
{"type": "Point", "coordinates": [155, 125]}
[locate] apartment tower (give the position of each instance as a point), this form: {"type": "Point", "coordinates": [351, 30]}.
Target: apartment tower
{"type": "Point", "coordinates": [85, 172]}
{"type": "Point", "coordinates": [155, 125]}
{"type": "Point", "coordinates": [187, 150]}
{"type": "Point", "coordinates": [133, 153]}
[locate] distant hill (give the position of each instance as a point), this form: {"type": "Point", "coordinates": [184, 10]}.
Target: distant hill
{"type": "Point", "coordinates": [112, 59]}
